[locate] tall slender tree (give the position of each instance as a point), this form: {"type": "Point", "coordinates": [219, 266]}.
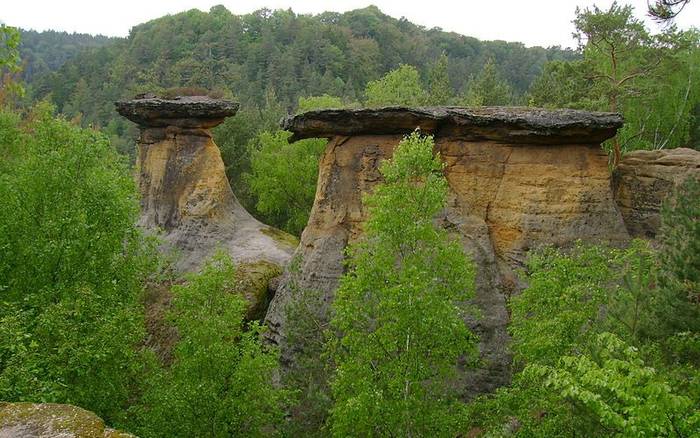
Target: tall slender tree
{"type": "Point", "coordinates": [488, 87]}
{"type": "Point", "coordinates": [401, 329]}
{"type": "Point", "coordinates": [440, 91]}
{"type": "Point", "coordinates": [620, 51]}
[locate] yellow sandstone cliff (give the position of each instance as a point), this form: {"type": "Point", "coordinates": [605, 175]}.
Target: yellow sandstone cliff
{"type": "Point", "coordinates": [519, 178]}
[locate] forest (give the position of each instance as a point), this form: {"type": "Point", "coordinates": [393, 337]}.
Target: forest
{"type": "Point", "coordinates": [604, 338]}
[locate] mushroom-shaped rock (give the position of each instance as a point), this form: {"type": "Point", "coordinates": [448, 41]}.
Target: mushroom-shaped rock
{"type": "Point", "coordinates": [183, 184]}
{"type": "Point", "coordinates": [518, 177]}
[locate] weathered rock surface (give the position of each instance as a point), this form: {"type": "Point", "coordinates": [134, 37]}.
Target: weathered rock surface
{"type": "Point", "coordinates": [511, 124]}
{"type": "Point", "coordinates": [519, 178]}
{"type": "Point", "coordinates": [183, 111]}
{"type": "Point", "coordinates": [50, 420]}
{"type": "Point", "coordinates": [184, 189]}
{"type": "Point", "coordinates": [644, 179]}
{"type": "Point", "coordinates": [252, 281]}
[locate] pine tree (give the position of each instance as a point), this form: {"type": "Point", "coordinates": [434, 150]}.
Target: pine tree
{"type": "Point", "coordinates": [440, 90]}
{"type": "Point", "coordinates": [488, 88]}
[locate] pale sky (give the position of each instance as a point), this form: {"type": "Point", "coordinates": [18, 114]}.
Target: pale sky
{"type": "Point", "coordinates": [533, 22]}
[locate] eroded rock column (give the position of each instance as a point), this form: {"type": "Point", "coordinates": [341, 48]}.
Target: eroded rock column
{"type": "Point", "coordinates": [519, 178]}
{"type": "Point", "coordinates": [183, 184]}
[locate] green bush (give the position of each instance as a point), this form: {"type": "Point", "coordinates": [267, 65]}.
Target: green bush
{"type": "Point", "coordinates": [401, 330]}
{"type": "Point", "coordinates": [679, 254]}
{"type": "Point", "coordinates": [616, 392]}
{"type": "Point", "coordinates": [308, 372]}
{"type": "Point", "coordinates": [220, 383]}
{"type": "Point", "coordinates": [283, 178]}
{"type": "Point", "coordinates": [401, 86]}
{"type": "Point", "coordinates": [594, 354]}
{"type": "Point", "coordinates": [72, 267]}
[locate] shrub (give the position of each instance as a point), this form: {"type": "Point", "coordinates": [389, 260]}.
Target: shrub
{"type": "Point", "coordinates": [220, 382]}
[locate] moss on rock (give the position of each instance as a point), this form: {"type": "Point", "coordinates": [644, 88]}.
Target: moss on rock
{"type": "Point", "coordinates": [252, 280]}
{"type": "Point", "coordinates": [281, 237]}
{"type": "Point", "coordinates": [44, 420]}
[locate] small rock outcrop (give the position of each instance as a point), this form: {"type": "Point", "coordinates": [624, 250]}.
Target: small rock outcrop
{"type": "Point", "coordinates": [644, 179]}
{"type": "Point", "coordinates": [183, 184]}
{"type": "Point", "coordinates": [519, 178]}
{"type": "Point", "coordinates": [50, 420]}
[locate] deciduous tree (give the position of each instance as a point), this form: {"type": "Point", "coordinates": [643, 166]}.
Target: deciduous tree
{"type": "Point", "coordinates": [398, 87]}
{"type": "Point", "coordinates": [396, 310]}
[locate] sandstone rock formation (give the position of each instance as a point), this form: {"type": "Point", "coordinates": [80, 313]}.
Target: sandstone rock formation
{"type": "Point", "coordinates": [644, 179]}
{"type": "Point", "coordinates": [184, 189]}
{"type": "Point", "coordinates": [50, 420]}
{"type": "Point", "coordinates": [519, 178]}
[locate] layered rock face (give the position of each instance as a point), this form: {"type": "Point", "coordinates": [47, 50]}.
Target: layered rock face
{"type": "Point", "coordinates": [184, 189]}
{"type": "Point", "coordinates": [644, 179]}
{"type": "Point", "coordinates": [519, 178]}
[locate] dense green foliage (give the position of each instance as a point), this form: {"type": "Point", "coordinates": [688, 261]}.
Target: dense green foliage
{"type": "Point", "coordinates": [278, 51]}
{"type": "Point", "coordinates": [220, 383]}
{"type": "Point", "coordinates": [488, 88]}
{"type": "Point", "coordinates": [270, 61]}
{"type": "Point", "coordinates": [320, 102]}
{"type": "Point", "coordinates": [606, 341]}
{"type": "Point", "coordinates": [72, 269]}
{"type": "Point", "coordinates": [283, 178]}
{"type": "Point", "coordinates": [236, 136]}
{"type": "Point", "coordinates": [627, 69]}
{"type": "Point", "coordinates": [401, 331]}
{"type": "Point", "coordinates": [267, 60]}
{"type": "Point", "coordinates": [9, 49]}
{"type": "Point", "coordinates": [680, 255]}
{"type": "Point", "coordinates": [9, 64]}
{"type": "Point", "coordinates": [439, 89]}
{"type": "Point", "coordinates": [398, 87]}
{"type": "Point", "coordinates": [308, 373]}
{"type": "Point", "coordinates": [47, 51]}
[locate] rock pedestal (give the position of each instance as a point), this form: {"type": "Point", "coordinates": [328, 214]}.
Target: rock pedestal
{"type": "Point", "coordinates": [183, 184]}
{"type": "Point", "coordinates": [519, 178]}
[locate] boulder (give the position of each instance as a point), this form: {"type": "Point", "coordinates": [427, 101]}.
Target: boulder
{"type": "Point", "coordinates": [50, 420]}
{"type": "Point", "coordinates": [185, 193]}
{"type": "Point", "coordinates": [519, 178]}
{"type": "Point", "coordinates": [645, 179]}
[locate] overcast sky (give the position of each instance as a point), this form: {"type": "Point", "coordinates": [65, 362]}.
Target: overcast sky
{"type": "Point", "coordinates": [533, 22]}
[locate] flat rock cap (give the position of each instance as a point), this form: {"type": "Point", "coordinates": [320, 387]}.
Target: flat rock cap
{"type": "Point", "coordinates": [185, 111]}
{"type": "Point", "coordinates": [508, 124]}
